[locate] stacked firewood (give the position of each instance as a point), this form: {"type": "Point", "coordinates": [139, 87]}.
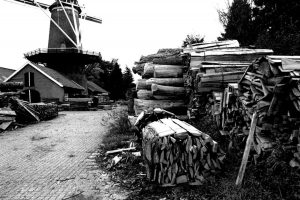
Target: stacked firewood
{"type": "Point", "coordinates": [11, 86]}
{"type": "Point", "coordinates": [176, 152]}
{"type": "Point", "coordinates": [274, 94]}
{"type": "Point", "coordinates": [27, 112]}
{"type": "Point", "coordinates": [45, 111]}
{"type": "Point", "coordinates": [161, 85]}
{"type": "Point", "coordinates": [212, 66]}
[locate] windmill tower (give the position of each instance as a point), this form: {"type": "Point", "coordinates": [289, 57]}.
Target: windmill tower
{"type": "Point", "coordinates": [64, 53]}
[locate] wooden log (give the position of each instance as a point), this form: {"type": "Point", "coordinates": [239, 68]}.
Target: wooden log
{"type": "Point", "coordinates": [177, 82]}
{"type": "Point", "coordinates": [167, 90]}
{"type": "Point", "coordinates": [144, 94]}
{"type": "Point", "coordinates": [160, 97]}
{"type": "Point", "coordinates": [169, 60]}
{"type": "Point", "coordinates": [138, 68]}
{"type": "Point", "coordinates": [168, 71]}
{"type": "Point", "coordinates": [148, 70]}
{"type": "Point", "coordinates": [175, 106]}
{"type": "Point", "coordinates": [141, 85]}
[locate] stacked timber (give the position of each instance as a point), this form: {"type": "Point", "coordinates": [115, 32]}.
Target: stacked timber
{"type": "Point", "coordinates": [45, 111]}
{"type": "Point", "coordinates": [162, 57]}
{"type": "Point", "coordinates": [175, 152]}
{"type": "Point", "coordinates": [32, 112]}
{"type": "Point", "coordinates": [212, 66]}
{"type": "Point", "coordinates": [7, 117]}
{"type": "Point", "coordinates": [272, 90]}
{"type": "Point", "coordinates": [161, 86]}
{"type": "Point", "coordinates": [10, 86]}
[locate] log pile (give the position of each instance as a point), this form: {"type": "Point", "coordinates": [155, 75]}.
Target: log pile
{"type": "Point", "coordinates": [272, 89]}
{"type": "Point", "coordinates": [45, 111]}
{"type": "Point", "coordinates": [162, 85]}
{"type": "Point", "coordinates": [176, 152]}
{"type": "Point", "coordinates": [162, 57]}
{"type": "Point", "coordinates": [11, 86]}
{"type": "Point", "coordinates": [7, 117]}
{"type": "Point", "coordinates": [28, 113]}
{"type": "Point", "coordinates": [212, 66]}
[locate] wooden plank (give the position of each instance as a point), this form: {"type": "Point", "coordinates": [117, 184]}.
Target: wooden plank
{"type": "Point", "coordinates": [120, 150]}
{"type": "Point", "coordinates": [179, 131]}
{"type": "Point", "coordinates": [161, 129]}
{"type": "Point", "coordinates": [249, 142]}
{"type": "Point", "coordinates": [191, 129]}
{"type": "Point", "coordinates": [5, 125]}
{"type": "Point", "coordinates": [79, 99]}
{"type": "Point", "coordinates": [7, 112]}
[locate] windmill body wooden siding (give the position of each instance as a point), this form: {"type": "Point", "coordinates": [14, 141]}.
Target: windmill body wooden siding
{"type": "Point", "coordinates": [47, 88]}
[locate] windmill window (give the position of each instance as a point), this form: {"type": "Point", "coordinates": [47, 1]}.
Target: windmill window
{"type": "Point", "coordinates": [29, 79]}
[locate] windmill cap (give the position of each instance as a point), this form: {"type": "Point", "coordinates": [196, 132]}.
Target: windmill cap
{"type": "Point", "coordinates": [67, 3]}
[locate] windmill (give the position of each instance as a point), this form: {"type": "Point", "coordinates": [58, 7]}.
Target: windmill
{"type": "Point", "coordinates": [64, 53]}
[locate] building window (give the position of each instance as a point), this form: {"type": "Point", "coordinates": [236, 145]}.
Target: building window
{"type": "Point", "coordinates": [29, 79]}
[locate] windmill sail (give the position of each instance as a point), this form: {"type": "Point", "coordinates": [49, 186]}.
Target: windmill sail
{"type": "Point", "coordinates": [46, 6]}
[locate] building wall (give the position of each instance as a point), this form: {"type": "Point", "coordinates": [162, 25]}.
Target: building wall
{"type": "Point", "coordinates": [47, 88]}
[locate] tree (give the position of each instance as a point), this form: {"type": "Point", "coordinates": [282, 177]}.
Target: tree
{"type": "Point", "coordinates": [116, 81]}
{"type": "Point", "coordinates": [278, 25]}
{"type": "Point", "coordinates": [273, 24]}
{"type": "Point", "coordinates": [192, 39]}
{"type": "Point", "coordinates": [237, 22]}
{"type": "Point", "coordinates": [127, 78]}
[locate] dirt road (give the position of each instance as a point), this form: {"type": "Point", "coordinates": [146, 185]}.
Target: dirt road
{"type": "Point", "coordinates": [55, 160]}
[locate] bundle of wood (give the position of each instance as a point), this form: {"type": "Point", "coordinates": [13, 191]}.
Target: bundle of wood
{"type": "Point", "coordinates": [7, 117]}
{"type": "Point", "coordinates": [205, 46]}
{"type": "Point", "coordinates": [176, 152]}
{"type": "Point", "coordinates": [25, 112]}
{"type": "Point", "coordinates": [10, 86]}
{"type": "Point", "coordinates": [216, 81]}
{"type": "Point", "coordinates": [162, 57]}
{"type": "Point", "coordinates": [212, 66]}
{"type": "Point", "coordinates": [35, 112]}
{"type": "Point", "coordinates": [162, 86]}
{"type": "Point", "coordinates": [235, 55]}
{"type": "Point", "coordinates": [45, 111]}
{"type": "Point", "coordinates": [274, 94]}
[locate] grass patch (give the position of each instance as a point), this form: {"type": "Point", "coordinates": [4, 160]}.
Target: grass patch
{"type": "Point", "coordinates": [120, 132]}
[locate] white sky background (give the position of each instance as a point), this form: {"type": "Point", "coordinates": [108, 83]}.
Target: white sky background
{"type": "Point", "coordinates": [130, 28]}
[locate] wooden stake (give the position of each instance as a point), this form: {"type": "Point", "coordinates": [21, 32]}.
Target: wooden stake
{"type": "Point", "coordinates": [240, 177]}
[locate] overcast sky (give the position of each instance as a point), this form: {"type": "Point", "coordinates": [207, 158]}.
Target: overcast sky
{"type": "Point", "coordinates": [130, 28]}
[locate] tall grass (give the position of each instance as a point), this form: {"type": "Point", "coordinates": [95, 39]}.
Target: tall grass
{"type": "Point", "coordinates": [120, 132]}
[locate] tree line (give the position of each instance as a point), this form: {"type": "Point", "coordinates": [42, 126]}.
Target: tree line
{"type": "Point", "coordinates": [109, 76]}
{"type": "Point", "coordinates": [273, 24]}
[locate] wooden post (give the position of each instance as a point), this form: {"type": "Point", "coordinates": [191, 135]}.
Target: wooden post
{"type": "Point", "coordinates": [240, 177]}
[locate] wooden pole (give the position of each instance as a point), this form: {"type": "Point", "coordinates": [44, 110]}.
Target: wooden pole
{"type": "Point", "coordinates": [240, 177]}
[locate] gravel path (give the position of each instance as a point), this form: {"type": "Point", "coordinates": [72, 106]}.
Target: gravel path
{"type": "Point", "coordinates": [55, 160]}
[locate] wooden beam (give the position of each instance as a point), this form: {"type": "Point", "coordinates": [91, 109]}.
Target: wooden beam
{"type": "Point", "coordinates": [241, 173]}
